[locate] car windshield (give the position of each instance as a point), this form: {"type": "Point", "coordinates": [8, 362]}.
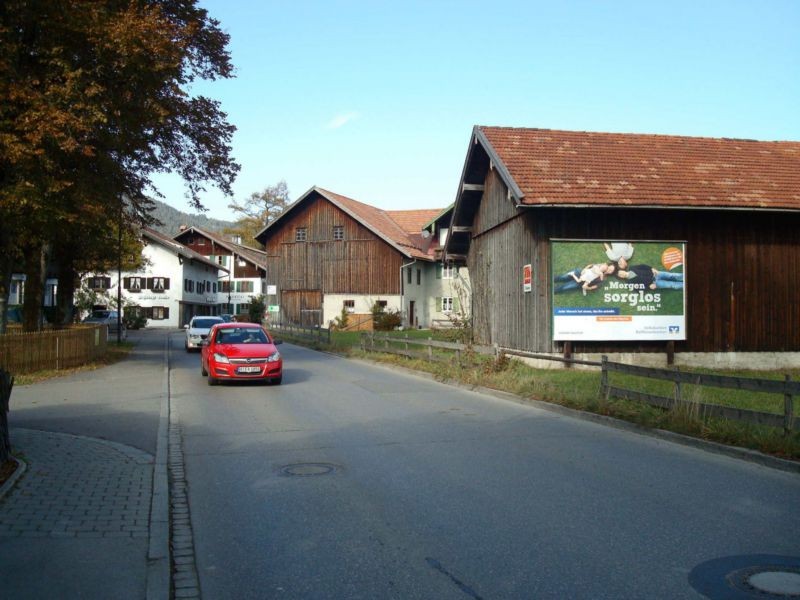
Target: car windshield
{"type": "Point", "coordinates": [204, 323]}
{"type": "Point", "coordinates": [242, 335]}
{"type": "Point", "coordinates": [101, 314]}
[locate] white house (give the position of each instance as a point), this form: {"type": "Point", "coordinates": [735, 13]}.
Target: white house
{"type": "Point", "coordinates": [175, 284]}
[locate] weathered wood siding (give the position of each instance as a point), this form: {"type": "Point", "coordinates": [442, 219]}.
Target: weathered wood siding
{"type": "Point", "coordinates": [361, 263]}
{"type": "Point", "coordinates": [742, 273]}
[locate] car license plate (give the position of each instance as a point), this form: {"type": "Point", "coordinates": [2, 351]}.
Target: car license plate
{"type": "Point", "coordinates": [248, 370]}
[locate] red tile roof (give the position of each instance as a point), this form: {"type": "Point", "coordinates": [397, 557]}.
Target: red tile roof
{"type": "Point", "coordinates": [382, 223]}
{"type": "Point", "coordinates": [412, 221]}
{"type": "Point", "coordinates": [552, 167]}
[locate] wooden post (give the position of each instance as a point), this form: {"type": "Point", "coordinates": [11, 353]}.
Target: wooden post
{"type": "Point", "coordinates": [6, 384]}
{"type": "Point", "coordinates": [677, 395]}
{"type": "Point", "coordinates": [788, 410]}
{"type": "Point", "coordinates": [430, 348]}
{"type": "Point", "coordinates": [406, 343]}
{"type": "Point", "coordinates": [671, 352]}
{"type": "Point", "coordinates": [568, 352]}
{"type": "Point", "coordinates": [329, 336]}
{"type": "Point", "coordinates": [604, 377]}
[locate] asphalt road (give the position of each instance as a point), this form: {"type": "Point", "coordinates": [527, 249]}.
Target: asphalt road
{"type": "Point", "coordinates": [440, 493]}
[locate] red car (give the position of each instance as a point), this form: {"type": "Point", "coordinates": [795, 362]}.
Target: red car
{"type": "Point", "coordinates": [240, 351]}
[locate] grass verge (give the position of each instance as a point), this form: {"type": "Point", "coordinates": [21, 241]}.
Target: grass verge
{"type": "Point", "coordinates": [579, 389]}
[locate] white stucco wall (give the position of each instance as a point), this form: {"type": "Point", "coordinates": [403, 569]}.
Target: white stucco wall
{"type": "Point", "coordinates": [332, 304]}
{"type": "Point", "coordinates": [430, 288]}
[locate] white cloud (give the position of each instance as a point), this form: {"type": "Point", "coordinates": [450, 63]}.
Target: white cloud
{"type": "Point", "coordinates": [341, 120]}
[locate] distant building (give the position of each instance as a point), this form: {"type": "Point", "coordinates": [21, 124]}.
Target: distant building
{"type": "Point", "coordinates": [246, 268]}
{"type": "Point", "coordinates": [327, 253]}
{"type": "Point", "coordinates": [174, 284]}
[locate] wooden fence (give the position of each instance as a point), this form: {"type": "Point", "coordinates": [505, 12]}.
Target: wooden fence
{"type": "Point", "coordinates": [787, 388]}
{"type": "Point", "coordinates": [313, 334]}
{"type": "Point", "coordinates": [45, 350]}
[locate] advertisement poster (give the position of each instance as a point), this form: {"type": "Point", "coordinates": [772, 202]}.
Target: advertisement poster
{"type": "Point", "coordinates": [615, 291]}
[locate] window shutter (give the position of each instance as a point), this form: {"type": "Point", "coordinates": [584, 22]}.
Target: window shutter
{"type": "Point", "coordinates": [166, 283]}
{"type": "Point", "coordinates": [166, 312]}
{"type": "Point", "coordinates": [439, 268]}
{"type": "Point", "coordinates": [126, 283]}
{"type": "Point", "coordinates": [148, 283]}
{"type": "Point", "coordinates": [438, 304]}
{"type": "Point", "coordinates": [456, 306]}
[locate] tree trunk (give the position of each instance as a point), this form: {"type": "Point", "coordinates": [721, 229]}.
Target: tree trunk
{"type": "Point", "coordinates": [6, 383]}
{"type": "Point", "coordinates": [65, 294]}
{"type": "Point", "coordinates": [36, 272]}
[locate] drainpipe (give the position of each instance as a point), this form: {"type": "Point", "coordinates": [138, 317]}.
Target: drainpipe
{"type": "Point", "coordinates": [402, 289]}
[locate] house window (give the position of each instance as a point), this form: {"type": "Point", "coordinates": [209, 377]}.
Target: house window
{"type": "Point", "coordinates": [419, 276]}
{"type": "Point", "coordinates": [300, 234]}
{"type": "Point", "coordinates": [158, 284]}
{"type": "Point", "coordinates": [408, 275]}
{"type": "Point", "coordinates": [207, 287]}
{"type": "Point", "coordinates": [159, 313]}
{"type": "Point", "coordinates": [447, 271]}
{"type": "Point", "coordinates": [222, 261]}
{"type": "Point", "coordinates": [244, 286]}
{"type": "Point", "coordinates": [215, 288]}
{"type": "Point", "coordinates": [447, 304]}
{"type": "Point", "coordinates": [242, 262]}
{"type": "Point", "coordinates": [201, 241]}
{"type": "Point", "coordinates": [225, 286]}
{"type": "Point", "coordinates": [338, 232]}
{"type": "Point", "coordinates": [98, 283]}
{"type": "Point", "coordinates": [133, 284]}
{"type": "Point", "coordinates": [350, 306]}
{"type": "Point", "coordinates": [382, 304]}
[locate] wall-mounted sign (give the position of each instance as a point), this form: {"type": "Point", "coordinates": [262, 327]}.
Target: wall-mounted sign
{"type": "Point", "coordinates": [273, 308]}
{"type": "Point", "coordinates": [614, 291]}
{"type": "Point", "coordinates": [272, 290]}
{"type": "Point", "coordinates": [527, 278]}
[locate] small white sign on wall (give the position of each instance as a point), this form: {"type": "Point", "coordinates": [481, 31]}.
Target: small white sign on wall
{"type": "Point", "coordinates": [272, 290]}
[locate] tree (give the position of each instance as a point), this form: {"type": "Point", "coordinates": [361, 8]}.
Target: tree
{"type": "Point", "coordinates": [94, 101]}
{"type": "Point", "coordinates": [258, 211]}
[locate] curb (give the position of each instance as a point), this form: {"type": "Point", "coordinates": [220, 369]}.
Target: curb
{"type": "Point", "coordinates": [158, 553]}
{"type": "Point", "coordinates": [746, 454]}
{"type": "Point", "coordinates": [22, 466]}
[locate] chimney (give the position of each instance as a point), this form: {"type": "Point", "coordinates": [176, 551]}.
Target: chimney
{"type": "Point", "coordinates": [183, 228]}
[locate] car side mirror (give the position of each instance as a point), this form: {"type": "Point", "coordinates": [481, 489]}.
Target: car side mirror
{"type": "Point", "coordinates": [186, 326]}
{"type": "Point", "coordinates": [204, 343]}
{"type": "Point", "coordinates": [276, 342]}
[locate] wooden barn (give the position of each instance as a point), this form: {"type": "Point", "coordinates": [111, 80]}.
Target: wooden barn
{"type": "Point", "coordinates": [327, 252]}
{"type": "Point", "coordinates": [733, 207]}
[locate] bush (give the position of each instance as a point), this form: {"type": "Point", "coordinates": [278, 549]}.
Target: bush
{"type": "Point", "coordinates": [255, 312]}
{"type": "Point", "coordinates": [134, 321]}
{"type": "Point", "coordinates": [387, 320]}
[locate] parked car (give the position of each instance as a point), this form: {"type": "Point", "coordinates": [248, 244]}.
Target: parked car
{"type": "Point", "coordinates": [197, 330]}
{"type": "Point", "coordinates": [108, 318]}
{"type": "Point", "coordinates": [241, 351]}
{"type": "Point", "coordinates": [227, 318]}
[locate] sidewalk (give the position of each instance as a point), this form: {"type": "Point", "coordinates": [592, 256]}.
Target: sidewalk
{"type": "Point", "coordinates": [77, 524]}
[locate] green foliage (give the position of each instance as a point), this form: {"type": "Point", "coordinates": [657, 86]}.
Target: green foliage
{"type": "Point", "coordinates": [385, 320]}
{"type": "Point", "coordinates": [258, 210]}
{"type": "Point", "coordinates": [340, 322]}
{"type": "Point", "coordinates": [255, 312]}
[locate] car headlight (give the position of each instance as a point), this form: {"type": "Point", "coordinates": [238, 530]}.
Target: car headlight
{"type": "Point", "coordinates": [221, 358]}
{"type": "Point", "coordinates": [274, 357]}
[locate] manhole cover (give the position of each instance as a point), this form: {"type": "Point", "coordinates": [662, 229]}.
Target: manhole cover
{"type": "Point", "coordinates": [308, 469]}
{"type": "Point", "coordinates": [783, 583]}
{"type": "Point", "coordinates": [758, 576]}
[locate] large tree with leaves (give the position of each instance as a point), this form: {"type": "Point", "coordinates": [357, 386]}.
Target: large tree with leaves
{"type": "Point", "coordinates": [258, 211]}
{"type": "Point", "coordinates": [94, 100]}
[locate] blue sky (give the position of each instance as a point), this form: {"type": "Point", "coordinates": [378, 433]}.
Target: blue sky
{"type": "Point", "coordinates": [376, 100]}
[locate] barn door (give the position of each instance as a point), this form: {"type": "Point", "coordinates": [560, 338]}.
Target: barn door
{"type": "Point", "coordinates": [302, 307]}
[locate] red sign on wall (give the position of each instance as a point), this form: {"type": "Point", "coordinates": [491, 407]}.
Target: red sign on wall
{"type": "Point", "coordinates": [527, 278]}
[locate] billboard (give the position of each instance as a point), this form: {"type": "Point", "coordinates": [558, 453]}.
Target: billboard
{"type": "Point", "coordinates": [618, 290]}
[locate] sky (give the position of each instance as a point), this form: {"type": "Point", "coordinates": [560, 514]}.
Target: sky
{"type": "Point", "coordinates": [376, 100]}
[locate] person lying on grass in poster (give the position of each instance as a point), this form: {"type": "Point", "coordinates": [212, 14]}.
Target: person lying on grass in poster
{"type": "Point", "coordinates": [587, 279]}
{"type": "Point", "coordinates": [652, 278]}
{"type": "Point", "coordinates": [619, 253]}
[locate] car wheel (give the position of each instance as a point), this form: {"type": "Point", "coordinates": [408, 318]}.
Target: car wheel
{"type": "Point", "coordinates": [212, 380]}
{"type": "Point", "coordinates": [277, 380]}
{"type": "Point", "coordinates": [186, 345]}
{"type": "Point", "coordinates": [203, 371]}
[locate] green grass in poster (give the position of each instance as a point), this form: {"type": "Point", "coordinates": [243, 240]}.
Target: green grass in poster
{"type": "Point", "coordinates": [567, 256]}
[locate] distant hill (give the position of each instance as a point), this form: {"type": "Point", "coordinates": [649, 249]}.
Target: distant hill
{"type": "Point", "coordinates": [172, 220]}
